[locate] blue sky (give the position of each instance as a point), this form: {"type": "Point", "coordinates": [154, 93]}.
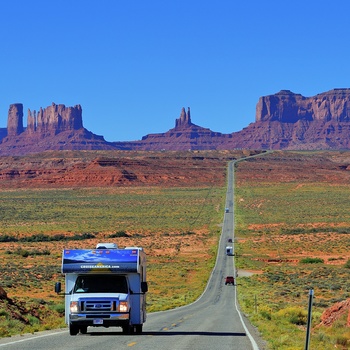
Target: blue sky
{"type": "Point", "coordinates": [132, 65]}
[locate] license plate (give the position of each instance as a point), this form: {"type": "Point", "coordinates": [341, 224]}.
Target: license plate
{"type": "Point", "coordinates": [98, 321]}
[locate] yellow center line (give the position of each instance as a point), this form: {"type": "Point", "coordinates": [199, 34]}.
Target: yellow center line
{"type": "Point", "coordinates": [132, 343]}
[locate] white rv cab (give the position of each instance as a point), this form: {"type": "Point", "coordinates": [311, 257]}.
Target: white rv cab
{"type": "Point", "coordinates": [229, 250]}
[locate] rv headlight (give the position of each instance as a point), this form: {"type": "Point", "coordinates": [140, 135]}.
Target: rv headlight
{"type": "Point", "coordinates": [74, 307]}
{"type": "Point", "coordinates": [123, 306]}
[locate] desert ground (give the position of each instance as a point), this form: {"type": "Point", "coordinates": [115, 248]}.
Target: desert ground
{"type": "Point", "coordinates": [270, 242]}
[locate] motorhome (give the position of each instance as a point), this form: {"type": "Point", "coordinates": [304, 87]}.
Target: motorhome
{"type": "Point", "coordinates": [229, 250]}
{"type": "Point", "coordinates": [104, 287]}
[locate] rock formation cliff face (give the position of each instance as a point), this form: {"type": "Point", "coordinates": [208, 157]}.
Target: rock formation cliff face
{"type": "Point", "coordinates": [284, 120]}
{"type": "Point", "coordinates": [185, 119]}
{"type": "Point", "coordinates": [56, 127]}
{"type": "Point", "coordinates": [15, 120]}
{"type": "Point", "coordinates": [291, 121]}
{"type": "Point", "coordinates": [287, 107]}
{"type": "Point", "coordinates": [48, 121]}
{"type": "Point", "coordinates": [54, 119]}
{"type": "Point", "coordinates": [184, 136]}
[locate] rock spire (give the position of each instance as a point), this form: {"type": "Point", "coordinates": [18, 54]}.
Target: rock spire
{"type": "Point", "coordinates": [184, 120]}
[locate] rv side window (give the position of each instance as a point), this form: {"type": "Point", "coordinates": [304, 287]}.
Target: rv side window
{"type": "Point", "coordinates": [101, 284]}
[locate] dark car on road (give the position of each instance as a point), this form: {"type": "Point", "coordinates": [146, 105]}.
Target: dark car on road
{"type": "Point", "coordinates": [230, 280]}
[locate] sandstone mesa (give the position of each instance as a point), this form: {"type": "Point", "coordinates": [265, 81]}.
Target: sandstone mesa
{"type": "Point", "coordinates": [283, 121]}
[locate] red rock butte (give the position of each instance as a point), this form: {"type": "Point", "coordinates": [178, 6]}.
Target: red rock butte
{"type": "Point", "coordinates": [284, 120]}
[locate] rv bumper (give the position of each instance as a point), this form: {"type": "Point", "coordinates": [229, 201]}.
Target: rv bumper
{"type": "Point", "coordinates": [99, 320]}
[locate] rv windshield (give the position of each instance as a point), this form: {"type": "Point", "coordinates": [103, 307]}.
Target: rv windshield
{"type": "Point", "coordinates": [101, 284]}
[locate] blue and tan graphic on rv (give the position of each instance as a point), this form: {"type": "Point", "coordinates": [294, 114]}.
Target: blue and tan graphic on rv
{"type": "Point", "coordinates": [103, 260]}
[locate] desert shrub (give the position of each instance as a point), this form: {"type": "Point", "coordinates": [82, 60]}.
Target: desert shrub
{"type": "Point", "coordinates": [137, 235]}
{"type": "Point", "coordinates": [7, 282]}
{"type": "Point", "coordinates": [188, 233]}
{"type": "Point", "coordinates": [322, 337]}
{"type": "Point", "coordinates": [33, 320]}
{"type": "Point", "coordinates": [340, 323]}
{"type": "Point", "coordinates": [59, 237]}
{"type": "Point", "coordinates": [40, 237]}
{"type": "Point", "coordinates": [321, 303]}
{"type": "Point", "coordinates": [344, 230]}
{"type": "Point", "coordinates": [293, 315]}
{"type": "Point", "coordinates": [60, 308]}
{"type": "Point", "coordinates": [335, 259]}
{"type": "Point", "coordinates": [119, 234]}
{"type": "Point", "coordinates": [11, 327]}
{"type": "Point", "coordinates": [312, 261]}
{"type": "Point", "coordinates": [22, 252]}
{"type": "Point", "coordinates": [82, 236]}
{"type": "Point", "coordinates": [347, 264]}
{"type": "Point", "coordinates": [335, 286]}
{"type": "Point", "coordinates": [293, 231]}
{"type": "Point", "coordinates": [43, 252]}
{"type": "Point", "coordinates": [25, 253]}
{"type": "Point", "coordinates": [266, 314]}
{"type": "Point", "coordinates": [276, 276]}
{"type": "Point", "coordinates": [3, 313]}
{"type": "Point", "coordinates": [341, 340]}
{"type": "Point", "coordinates": [298, 318]}
{"type": "Point", "coordinates": [7, 238]}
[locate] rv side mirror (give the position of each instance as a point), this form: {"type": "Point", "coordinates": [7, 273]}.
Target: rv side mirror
{"type": "Point", "coordinates": [144, 287]}
{"type": "Point", "coordinates": [58, 287]}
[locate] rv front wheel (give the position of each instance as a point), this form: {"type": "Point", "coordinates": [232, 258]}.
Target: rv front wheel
{"type": "Point", "coordinates": [73, 330]}
{"type": "Point", "coordinates": [127, 329]}
{"type": "Point", "coordinates": [138, 328]}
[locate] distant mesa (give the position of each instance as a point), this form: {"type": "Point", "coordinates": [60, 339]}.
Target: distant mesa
{"type": "Point", "coordinates": [284, 120]}
{"type": "Point", "coordinates": [48, 121]}
{"type": "Point", "coordinates": [56, 127]}
{"type": "Point", "coordinates": [288, 107]}
{"type": "Point", "coordinates": [184, 136]}
{"type": "Point", "coordinates": [291, 121]}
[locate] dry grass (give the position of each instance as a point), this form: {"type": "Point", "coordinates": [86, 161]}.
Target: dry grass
{"type": "Point", "coordinates": [178, 229]}
{"type": "Point", "coordinates": [293, 226]}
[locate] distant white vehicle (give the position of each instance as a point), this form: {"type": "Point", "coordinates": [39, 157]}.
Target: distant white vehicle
{"type": "Point", "coordinates": [227, 210]}
{"type": "Point", "coordinates": [229, 250]}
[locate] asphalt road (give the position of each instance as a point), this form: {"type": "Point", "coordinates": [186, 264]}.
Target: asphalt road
{"type": "Point", "coordinates": [212, 322]}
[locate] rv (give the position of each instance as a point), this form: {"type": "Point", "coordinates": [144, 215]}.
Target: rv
{"type": "Point", "coordinates": [104, 287]}
{"type": "Point", "coordinates": [229, 250]}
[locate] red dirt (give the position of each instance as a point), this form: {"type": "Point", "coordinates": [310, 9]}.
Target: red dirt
{"type": "Point", "coordinates": [116, 168]}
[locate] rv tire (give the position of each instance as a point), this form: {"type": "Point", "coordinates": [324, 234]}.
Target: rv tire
{"type": "Point", "coordinates": [127, 329]}
{"type": "Point", "coordinates": [73, 330]}
{"type": "Point", "coordinates": [138, 328]}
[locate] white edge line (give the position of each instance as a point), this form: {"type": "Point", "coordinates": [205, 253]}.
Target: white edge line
{"type": "Point", "coordinates": [32, 338]}
{"type": "Point", "coordinates": [252, 340]}
{"type": "Point", "coordinates": [254, 344]}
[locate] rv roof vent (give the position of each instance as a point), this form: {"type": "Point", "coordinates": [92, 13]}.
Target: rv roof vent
{"type": "Point", "coordinates": [106, 246]}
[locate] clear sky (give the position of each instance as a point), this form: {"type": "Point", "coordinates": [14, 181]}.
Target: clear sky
{"type": "Point", "coordinates": [133, 64]}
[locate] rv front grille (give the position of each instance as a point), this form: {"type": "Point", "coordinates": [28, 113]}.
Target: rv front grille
{"type": "Point", "coordinates": [98, 305]}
